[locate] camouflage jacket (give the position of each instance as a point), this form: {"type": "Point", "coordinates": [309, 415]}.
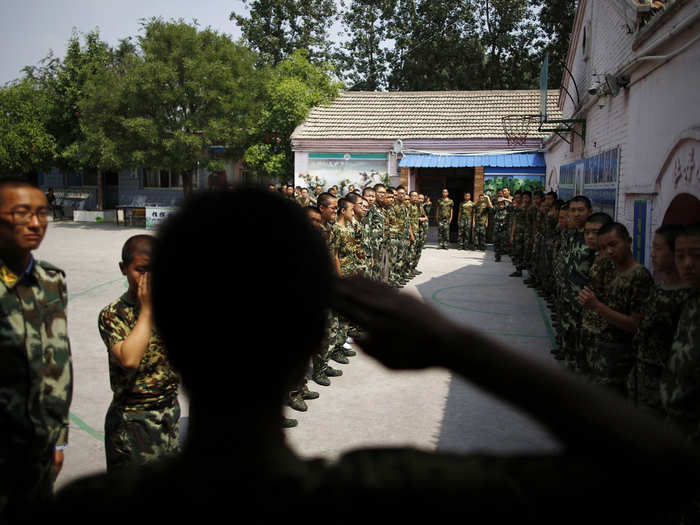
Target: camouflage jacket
{"type": "Point", "coordinates": [377, 226]}
{"type": "Point", "coordinates": [303, 202]}
{"type": "Point", "coordinates": [349, 250]}
{"type": "Point", "coordinates": [36, 371]}
{"type": "Point", "coordinates": [520, 219]}
{"type": "Point", "coordinates": [466, 210]}
{"type": "Point", "coordinates": [592, 323]}
{"type": "Point", "coordinates": [445, 208]}
{"type": "Point", "coordinates": [414, 214]}
{"type": "Point", "coordinates": [393, 222]}
{"type": "Point", "coordinates": [530, 219]}
{"type": "Point", "coordinates": [500, 219]}
{"type": "Point", "coordinates": [404, 218]}
{"type": "Point", "coordinates": [481, 213]}
{"type": "Point", "coordinates": [660, 314]}
{"type": "Point", "coordinates": [578, 257]}
{"type": "Point", "coordinates": [363, 232]}
{"type": "Point", "coordinates": [155, 380]}
{"type": "Point", "coordinates": [680, 385]}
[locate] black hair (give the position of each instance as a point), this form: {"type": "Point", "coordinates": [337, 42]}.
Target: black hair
{"type": "Point", "coordinates": [378, 185]}
{"type": "Point", "coordinates": [526, 193]}
{"type": "Point", "coordinates": [143, 244]}
{"type": "Point", "coordinates": [564, 206]}
{"type": "Point", "coordinates": [399, 187]}
{"type": "Point", "coordinates": [518, 192]}
{"type": "Point", "coordinates": [365, 190]}
{"type": "Point", "coordinates": [582, 198]}
{"type": "Point", "coordinates": [390, 190]}
{"type": "Point", "coordinates": [669, 233]}
{"type": "Point", "coordinates": [690, 230]}
{"type": "Point", "coordinates": [324, 199]}
{"type": "Point", "coordinates": [553, 193]}
{"type": "Point", "coordinates": [344, 204]}
{"type": "Point", "coordinates": [15, 182]}
{"type": "Point", "coordinates": [204, 221]}
{"type": "Point", "coordinates": [538, 193]}
{"type": "Point", "coordinates": [312, 209]}
{"type": "Point", "coordinates": [352, 197]}
{"type": "Point", "coordinates": [600, 218]}
{"type": "Point", "coordinates": [619, 229]}
{"type": "Point", "coordinates": [558, 203]}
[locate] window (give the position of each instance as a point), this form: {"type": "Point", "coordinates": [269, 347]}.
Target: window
{"type": "Point", "coordinates": [162, 178]}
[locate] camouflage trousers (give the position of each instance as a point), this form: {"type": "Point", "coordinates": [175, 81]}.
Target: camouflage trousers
{"type": "Point", "coordinates": [394, 250]}
{"type": "Point", "coordinates": [518, 249]}
{"type": "Point", "coordinates": [136, 436]}
{"type": "Point", "coordinates": [404, 256]}
{"type": "Point", "coordinates": [465, 241]}
{"type": "Point", "coordinates": [444, 233]}
{"type": "Point", "coordinates": [643, 386]}
{"type": "Point", "coordinates": [500, 243]}
{"type": "Point", "coordinates": [480, 236]}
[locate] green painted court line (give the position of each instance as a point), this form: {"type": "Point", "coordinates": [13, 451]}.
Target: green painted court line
{"type": "Point", "coordinates": [438, 292]}
{"type": "Point", "coordinates": [87, 291]}
{"type": "Point", "coordinates": [87, 428]}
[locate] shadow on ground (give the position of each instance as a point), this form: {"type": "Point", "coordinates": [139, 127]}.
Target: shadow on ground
{"type": "Point", "coordinates": [481, 294]}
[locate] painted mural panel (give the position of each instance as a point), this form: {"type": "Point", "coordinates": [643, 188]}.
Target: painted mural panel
{"type": "Point", "coordinates": [493, 183]}
{"type": "Point", "coordinates": [360, 170]}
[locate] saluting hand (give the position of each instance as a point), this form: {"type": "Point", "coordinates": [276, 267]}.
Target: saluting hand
{"type": "Point", "coordinates": [398, 328]}
{"type": "Point", "coordinates": [143, 294]}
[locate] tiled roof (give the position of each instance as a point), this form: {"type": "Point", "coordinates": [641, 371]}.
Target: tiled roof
{"type": "Point", "coordinates": [423, 114]}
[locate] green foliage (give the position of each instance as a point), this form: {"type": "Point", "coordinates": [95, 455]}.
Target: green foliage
{"type": "Point", "coordinates": [277, 28]}
{"type": "Point", "coordinates": [292, 88]}
{"type": "Point", "coordinates": [25, 144]}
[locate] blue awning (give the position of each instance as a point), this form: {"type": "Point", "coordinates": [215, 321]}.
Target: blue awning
{"type": "Point", "coordinates": [508, 160]}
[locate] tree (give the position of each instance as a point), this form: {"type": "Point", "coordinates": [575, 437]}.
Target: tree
{"type": "Point", "coordinates": [188, 90]}
{"type": "Point", "coordinates": [293, 88]}
{"type": "Point", "coordinates": [437, 46]}
{"type": "Point", "coordinates": [363, 57]}
{"type": "Point", "coordinates": [277, 28]}
{"type": "Point", "coordinates": [25, 143]}
{"type": "Point", "coordinates": [556, 18]}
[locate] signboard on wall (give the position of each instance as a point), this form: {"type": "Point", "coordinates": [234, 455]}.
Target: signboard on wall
{"type": "Point", "coordinates": [595, 177]}
{"type": "Point", "coordinates": [157, 216]}
{"type": "Point", "coordinates": [495, 182]}
{"type": "Point", "coordinates": [343, 169]}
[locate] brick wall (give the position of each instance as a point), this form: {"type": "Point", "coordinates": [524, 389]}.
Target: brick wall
{"type": "Point", "coordinates": [478, 181]}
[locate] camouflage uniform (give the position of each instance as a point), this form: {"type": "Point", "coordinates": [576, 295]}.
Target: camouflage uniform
{"type": "Point", "coordinates": [610, 357]}
{"type": "Point", "coordinates": [500, 232]}
{"type": "Point", "coordinates": [377, 240]}
{"type": "Point", "coordinates": [394, 223]}
{"type": "Point", "coordinates": [466, 241]}
{"type": "Point", "coordinates": [142, 423]}
{"type": "Point", "coordinates": [546, 260]}
{"type": "Point", "coordinates": [303, 202]}
{"type": "Point", "coordinates": [680, 384]}
{"type": "Point", "coordinates": [404, 218]}
{"type": "Point", "coordinates": [445, 209]}
{"type": "Point", "coordinates": [330, 336]}
{"type": "Point", "coordinates": [415, 249]}
{"type": "Point", "coordinates": [481, 216]}
{"type": "Point", "coordinates": [528, 236]}
{"type": "Point", "coordinates": [36, 383]}
{"type": "Point", "coordinates": [537, 244]}
{"type": "Point", "coordinates": [578, 257]}
{"type": "Point", "coordinates": [519, 237]}
{"type": "Point", "coordinates": [652, 343]}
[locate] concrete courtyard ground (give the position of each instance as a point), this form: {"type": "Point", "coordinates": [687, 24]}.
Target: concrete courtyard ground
{"type": "Point", "coordinates": [369, 405]}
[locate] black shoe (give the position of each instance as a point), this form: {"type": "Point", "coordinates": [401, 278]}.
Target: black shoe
{"type": "Point", "coordinates": [297, 402]}
{"type": "Point", "coordinates": [349, 353]}
{"type": "Point", "coordinates": [332, 372]}
{"type": "Point", "coordinates": [516, 273]}
{"type": "Point", "coordinates": [308, 394]}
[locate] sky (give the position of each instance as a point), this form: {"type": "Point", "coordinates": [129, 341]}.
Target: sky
{"type": "Point", "coordinates": [30, 28]}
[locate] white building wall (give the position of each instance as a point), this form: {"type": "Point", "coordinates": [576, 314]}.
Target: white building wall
{"type": "Point", "coordinates": [648, 121]}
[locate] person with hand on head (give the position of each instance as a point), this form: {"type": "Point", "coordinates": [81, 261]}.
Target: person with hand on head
{"type": "Point", "coordinates": [36, 371]}
{"type": "Point", "coordinates": [142, 422]}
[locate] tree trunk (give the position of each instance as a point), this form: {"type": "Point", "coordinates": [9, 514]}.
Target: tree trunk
{"type": "Point", "coordinates": [100, 190]}
{"type": "Point", "coordinates": [187, 184]}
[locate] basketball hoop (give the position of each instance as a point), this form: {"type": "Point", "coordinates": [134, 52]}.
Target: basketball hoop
{"type": "Point", "coordinates": [517, 128]}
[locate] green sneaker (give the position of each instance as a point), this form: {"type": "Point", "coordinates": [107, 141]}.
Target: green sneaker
{"type": "Point", "coordinates": [297, 402]}
{"type": "Point", "coordinates": [308, 394]}
{"type": "Point", "coordinates": [289, 423]}
{"type": "Point", "coordinates": [321, 378]}
{"type": "Point", "coordinates": [338, 356]}
{"type": "Point", "coordinates": [332, 372]}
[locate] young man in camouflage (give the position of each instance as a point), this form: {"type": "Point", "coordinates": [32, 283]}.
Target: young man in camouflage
{"type": "Point", "coordinates": [559, 274]}
{"type": "Point", "coordinates": [443, 217]}
{"type": "Point", "coordinates": [407, 237]}
{"type": "Point", "coordinates": [303, 198]}
{"type": "Point", "coordinates": [481, 221]}
{"type": "Point", "coordinates": [418, 220]}
{"type": "Point", "coordinates": [679, 385]}
{"type": "Point", "coordinates": [394, 223]}
{"type": "Point", "coordinates": [518, 233]}
{"type": "Point", "coordinates": [660, 314]}
{"type": "Point", "coordinates": [142, 422]}
{"type": "Point", "coordinates": [500, 232]}
{"type": "Point", "coordinates": [321, 371]}
{"type": "Point", "coordinates": [36, 375]}
{"type": "Point", "coordinates": [577, 261]}
{"type": "Point", "coordinates": [532, 204]}
{"type": "Point", "coordinates": [465, 219]}
{"type": "Point", "coordinates": [610, 356]}
{"type": "Point", "coordinates": [377, 240]}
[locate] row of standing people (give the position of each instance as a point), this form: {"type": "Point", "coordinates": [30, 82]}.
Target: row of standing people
{"type": "Point", "coordinates": [616, 324]}
{"type": "Point", "coordinates": [378, 234]}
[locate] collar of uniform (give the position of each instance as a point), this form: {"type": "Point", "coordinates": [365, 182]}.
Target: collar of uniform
{"type": "Point", "coordinates": [126, 297]}
{"type": "Point", "coordinates": [11, 279]}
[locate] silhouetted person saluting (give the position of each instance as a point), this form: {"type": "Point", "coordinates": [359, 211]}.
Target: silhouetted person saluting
{"type": "Point", "coordinates": [617, 465]}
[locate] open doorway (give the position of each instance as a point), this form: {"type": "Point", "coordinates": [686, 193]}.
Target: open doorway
{"type": "Point", "coordinates": [431, 181]}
